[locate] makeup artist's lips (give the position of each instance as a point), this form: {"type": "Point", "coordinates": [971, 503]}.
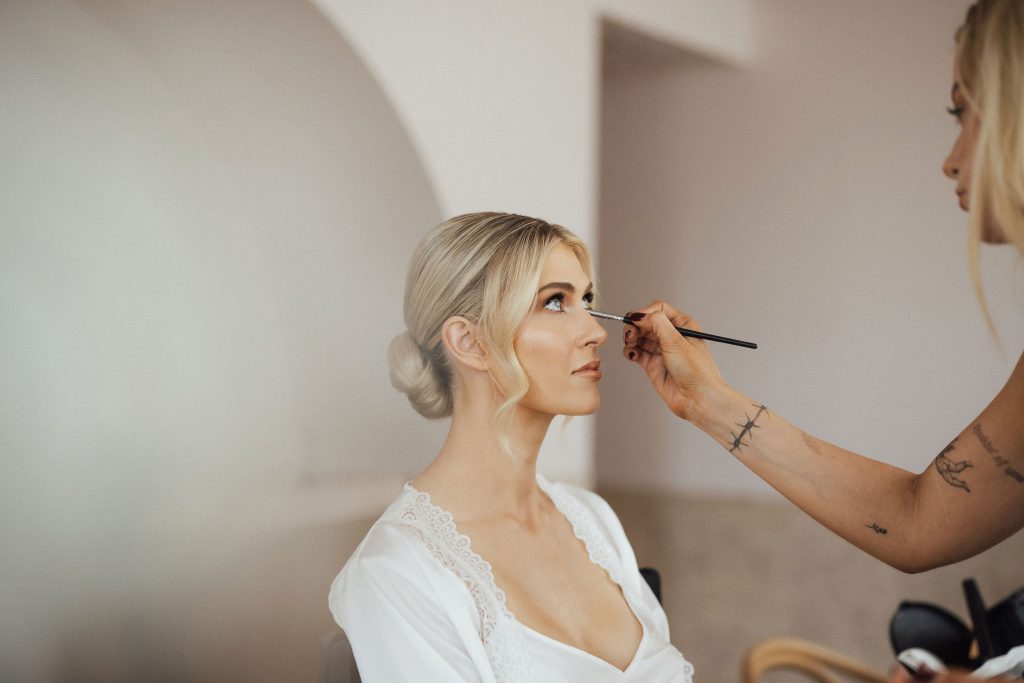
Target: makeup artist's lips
{"type": "Point", "coordinates": [591, 369]}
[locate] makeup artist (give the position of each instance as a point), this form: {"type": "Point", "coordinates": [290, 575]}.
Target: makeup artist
{"type": "Point", "coordinates": [971, 496]}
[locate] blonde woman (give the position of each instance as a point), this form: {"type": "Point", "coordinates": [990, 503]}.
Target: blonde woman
{"type": "Point", "coordinates": [482, 570]}
{"type": "Point", "coordinates": [973, 495]}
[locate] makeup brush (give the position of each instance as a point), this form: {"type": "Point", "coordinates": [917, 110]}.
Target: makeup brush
{"type": "Point", "coordinates": [682, 330]}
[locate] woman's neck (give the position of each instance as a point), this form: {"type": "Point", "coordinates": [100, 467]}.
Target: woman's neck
{"type": "Point", "coordinates": [474, 478]}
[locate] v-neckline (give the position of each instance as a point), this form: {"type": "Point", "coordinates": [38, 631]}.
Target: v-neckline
{"type": "Point", "coordinates": [548, 489]}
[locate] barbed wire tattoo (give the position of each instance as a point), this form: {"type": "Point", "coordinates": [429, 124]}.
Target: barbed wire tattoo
{"type": "Point", "coordinates": [748, 428]}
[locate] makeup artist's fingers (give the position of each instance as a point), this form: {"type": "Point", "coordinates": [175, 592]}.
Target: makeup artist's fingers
{"type": "Point", "coordinates": [678, 351]}
{"type": "Point", "coordinates": [649, 357]}
{"type": "Point", "coordinates": [631, 338]}
{"type": "Point", "coordinates": [653, 365]}
{"type": "Point", "coordinates": [679, 368]}
{"type": "Point", "coordinates": [636, 352]}
{"type": "Point", "coordinates": [674, 396]}
{"type": "Point", "coordinates": [643, 321]}
{"type": "Point", "coordinates": [649, 345]}
{"type": "Point", "coordinates": [629, 335]}
{"type": "Point", "coordinates": [675, 316]}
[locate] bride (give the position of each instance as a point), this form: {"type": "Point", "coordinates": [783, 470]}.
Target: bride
{"type": "Point", "coordinates": [482, 570]}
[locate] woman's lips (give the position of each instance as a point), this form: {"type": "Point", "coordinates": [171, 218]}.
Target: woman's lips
{"type": "Point", "coordinates": [591, 369]}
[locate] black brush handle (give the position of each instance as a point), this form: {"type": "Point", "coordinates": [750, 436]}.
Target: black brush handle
{"type": "Point", "coordinates": [715, 338]}
{"type": "Point", "coordinates": [979, 619]}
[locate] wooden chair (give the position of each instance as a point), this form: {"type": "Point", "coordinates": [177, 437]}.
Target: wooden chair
{"type": "Point", "coordinates": [816, 661]}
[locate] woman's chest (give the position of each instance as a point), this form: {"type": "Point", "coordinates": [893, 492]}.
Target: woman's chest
{"type": "Point", "coordinates": [552, 587]}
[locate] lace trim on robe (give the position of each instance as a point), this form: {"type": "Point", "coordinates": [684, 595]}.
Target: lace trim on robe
{"type": "Point", "coordinates": [598, 548]}
{"type": "Point", "coordinates": [502, 641]}
{"type": "Point", "coordinates": [581, 520]}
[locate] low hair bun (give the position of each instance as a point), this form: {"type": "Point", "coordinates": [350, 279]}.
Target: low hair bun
{"type": "Point", "coordinates": [414, 374]}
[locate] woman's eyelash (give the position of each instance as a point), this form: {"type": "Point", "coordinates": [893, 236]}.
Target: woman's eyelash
{"type": "Point", "coordinates": [560, 297]}
{"type": "Point", "coordinates": [955, 111]}
{"type": "Point", "coordinates": [588, 300]}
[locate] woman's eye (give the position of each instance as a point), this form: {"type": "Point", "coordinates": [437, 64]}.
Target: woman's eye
{"type": "Point", "coordinates": [557, 302]}
{"type": "Point", "coordinates": [554, 303]}
{"type": "Point", "coordinates": [956, 112]}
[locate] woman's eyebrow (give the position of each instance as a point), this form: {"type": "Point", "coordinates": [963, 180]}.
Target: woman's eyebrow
{"type": "Point", "coordinates": [571, 288]}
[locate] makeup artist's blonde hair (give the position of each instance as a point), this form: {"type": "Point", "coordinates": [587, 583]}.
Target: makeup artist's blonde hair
{"type": "Point", "coordinates": [990, 55]}
{"type": "Point", "coordinates": [484, 267]}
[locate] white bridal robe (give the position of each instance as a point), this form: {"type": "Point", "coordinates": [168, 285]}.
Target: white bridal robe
{"type": "Point", "coordinates": [417, 604]}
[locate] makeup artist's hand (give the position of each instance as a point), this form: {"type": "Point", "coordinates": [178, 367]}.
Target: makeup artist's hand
{"type": "Point", "coordinates": [680, 368]}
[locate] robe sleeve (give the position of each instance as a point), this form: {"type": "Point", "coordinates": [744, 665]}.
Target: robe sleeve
{"type": "Point", "coordinates": [394, 612]}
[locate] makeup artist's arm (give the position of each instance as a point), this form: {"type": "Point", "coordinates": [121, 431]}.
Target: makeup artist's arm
{"type": "Point", "coordinates": [968, 499]}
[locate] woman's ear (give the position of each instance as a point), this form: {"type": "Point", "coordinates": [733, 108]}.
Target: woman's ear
{"type": "Point", "coordinates": [461, 339]}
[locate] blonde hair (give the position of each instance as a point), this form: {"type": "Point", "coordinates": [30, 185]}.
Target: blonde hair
{"type": "Point", "coordinates": [484, 267]}
{"type": "Point", "coordinates": [990, 55]}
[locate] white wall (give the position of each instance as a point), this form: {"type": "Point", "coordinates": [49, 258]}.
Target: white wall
{"type": "Point", "coordinates": [205, 218]}
{"type": "Point", "coordinates": [200, 210]}
{"type": "Point", "coordinates": [796, 200]}
{"type": "Point", "coordinates": [501, 100]}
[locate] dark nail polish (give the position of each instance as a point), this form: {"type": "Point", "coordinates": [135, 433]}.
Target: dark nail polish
{"type": "Point", "coordinates": [632, 355]}
{"type": "Point", "coordinates": [923, 674]}
{"type": "Point", "coordinates": [636, 317]}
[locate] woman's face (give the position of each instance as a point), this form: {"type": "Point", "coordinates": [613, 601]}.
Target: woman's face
{"type": "Point", "coordinates": [958, 165]}
{"type": "Point", "coordinates": [557, 345]}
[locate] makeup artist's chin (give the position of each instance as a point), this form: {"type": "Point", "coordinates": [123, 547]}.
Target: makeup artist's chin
{"type": "Point", "coordinates": [961, 196]}
{"type": "Point", "coordinates": [990, 232]}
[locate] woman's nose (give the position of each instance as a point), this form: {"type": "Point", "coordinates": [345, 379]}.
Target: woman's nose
{"type": "Point", "coordinates": [595, 334]}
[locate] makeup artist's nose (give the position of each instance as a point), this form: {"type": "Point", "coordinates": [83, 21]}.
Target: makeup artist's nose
{"type": "Point", "coordinates": [951, 166]}
{"type": "Point", "coordinates": [594, 334]}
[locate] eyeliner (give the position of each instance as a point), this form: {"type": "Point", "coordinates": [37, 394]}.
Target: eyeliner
{"type": "Point", "coordinates": [682, 330]}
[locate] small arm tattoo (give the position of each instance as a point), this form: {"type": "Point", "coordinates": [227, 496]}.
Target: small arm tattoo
{"type": "Point", "coordinates": [1014, 474]}
{"type": "Point", "coordinates": [999, 460]}
{"type": "Point", "coordinates": [877, 529]}
{"type": "Point", "coordinates": [747, 429]}
{"type": "Point", "coordinates": [949, 468]}
{"type": "Point", "coordinates": [985, 442]}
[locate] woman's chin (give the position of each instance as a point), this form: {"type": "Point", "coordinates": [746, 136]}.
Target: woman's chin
{"type": "Point", "coordinates": [573, 403]}
{"type": "Point", "coordinates": [583, 409]}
